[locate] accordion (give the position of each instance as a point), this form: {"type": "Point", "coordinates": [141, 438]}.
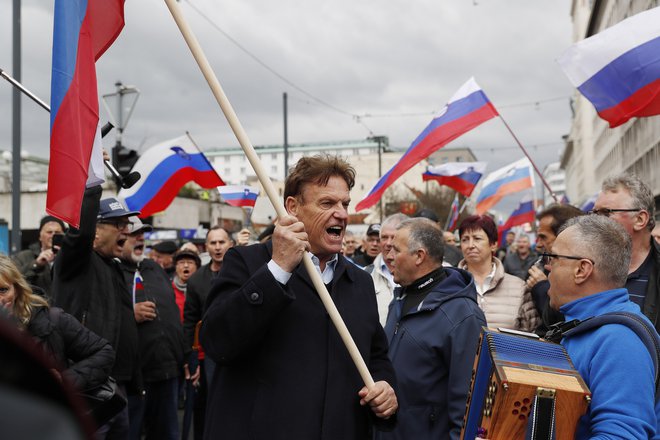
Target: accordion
{"type": "Point", "coordinates": [517, 378]}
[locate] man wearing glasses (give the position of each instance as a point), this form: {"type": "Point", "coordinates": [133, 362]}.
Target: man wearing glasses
{"type": "Point", "coordinates": [588, 269]}
{"type": "Point", "coordinates": [629, 202]}
{"type": "Point", "coordinates": [88, 284]}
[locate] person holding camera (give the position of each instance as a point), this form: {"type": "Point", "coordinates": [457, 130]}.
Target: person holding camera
{"type": "Point", "coordinates": [36, 261]}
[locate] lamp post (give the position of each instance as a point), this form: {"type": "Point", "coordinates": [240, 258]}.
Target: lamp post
{"type": "Point", "coordinates": [383, 141]}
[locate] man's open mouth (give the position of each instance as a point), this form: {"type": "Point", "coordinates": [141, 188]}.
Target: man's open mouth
{"type": "Point", "coordinates": [334, 230]}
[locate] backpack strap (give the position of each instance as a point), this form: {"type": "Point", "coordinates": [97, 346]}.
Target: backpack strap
{"type": "Point", "coordinates": [636, 323]}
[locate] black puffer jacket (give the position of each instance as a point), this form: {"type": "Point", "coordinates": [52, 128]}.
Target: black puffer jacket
{"type": "Point", "coordinates": [83, 358]}
{"type": "Point", "coordinates": [161, 340]}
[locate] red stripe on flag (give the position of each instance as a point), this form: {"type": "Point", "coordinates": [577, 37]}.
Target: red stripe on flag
{"type": "Point", "coordinates": [644, 102]}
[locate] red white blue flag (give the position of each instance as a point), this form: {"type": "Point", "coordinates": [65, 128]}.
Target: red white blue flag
{"type": "Point", "coordinates": [618, 69]}
{"type": "Point", "coordinates": [82, 31]}
{"type": "Point", "coordinates": [453, 214]}
{"type": "Point", "coordinates": [467, 109]}
{"type": "Point", "coordinates": [524, 213]}
{"type": "Point", "coordinates": [242, 196]}
{"type": "Point", "coordinates": [165, 168]}
{"type": "Point", "coordinates": [504, 181]}
{"type": "Point", "coordinates": [460, 176]}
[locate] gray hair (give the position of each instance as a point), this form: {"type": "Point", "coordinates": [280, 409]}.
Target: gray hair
{"type": "Point", "coordinates": [424, 234]}
{"type": "Point", "coordinates": [394, 220]}
{"type": "Point", "coordinates": [642, 197]}
{"type": "Point", "coordinates": [606, 243]}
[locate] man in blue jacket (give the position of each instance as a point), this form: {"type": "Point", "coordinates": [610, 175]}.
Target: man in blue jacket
{"type": "Point", "coordinates": [433, 329]}
{"type": "Point", "coordinates": [588, 269]}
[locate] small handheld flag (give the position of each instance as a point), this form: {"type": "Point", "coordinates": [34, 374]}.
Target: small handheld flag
{"type": "Point", "coordinates": [460, 176]}
{"type": "Point", "coordinates": [239, 195]}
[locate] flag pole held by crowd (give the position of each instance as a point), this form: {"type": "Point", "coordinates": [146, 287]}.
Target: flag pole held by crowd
{"type": "Point", "coordinates": [266, 183]}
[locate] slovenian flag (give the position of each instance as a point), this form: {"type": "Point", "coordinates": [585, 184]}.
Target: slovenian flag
{"type": "Point", "coordinates": [467, 109]}
{"type": "Point", "coordinates": [453, 214]}
{"type": "Point", "coordinates": [524, 213]}
{"type": "Point", "coordinates": [82, 31]}
{"type": "Point", "coordinates": [242, 196]}
{"type": "Point", "coordinates": [504, 181]}
{"type": "Point", "coordinates": [618, 69]}
{"type": "Point", "coordinates": [460, 176]}
{"type": "Point", "coordinates": [165, 168]}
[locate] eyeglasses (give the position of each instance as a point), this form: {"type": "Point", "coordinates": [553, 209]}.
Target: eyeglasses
{"type": "Point", "coordinates": [546, 258]}
{"type": "Point", "coordinates": [607, 211]}
{"type": "Point", "coordinates": [120, 224]}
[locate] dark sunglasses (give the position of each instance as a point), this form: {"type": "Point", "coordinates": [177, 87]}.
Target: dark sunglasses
{"type": "Point", "coordinates": [607, 211]}
{"type": "Point", "coordinates": [546, 258]}
{"type": "Point", "coordinates": [120, 224]}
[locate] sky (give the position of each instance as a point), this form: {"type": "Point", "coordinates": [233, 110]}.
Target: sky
{"type": "Point", "coordinates": [351, 69]}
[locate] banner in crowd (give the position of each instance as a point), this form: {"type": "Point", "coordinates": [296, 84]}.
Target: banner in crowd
{"type": "Point", "coordinates": [80, 36]}
{"type": "Point", "coordinates": [467, 109]}
{"type": "Point", "coordinates": [165, 168]}
{"type": "Point", "coordinates": [504, 181]}
{"type": "Point", "coordinates": [618, 69]}
{"type": "Point", "coordinates": [242, 196]}
{"type": "Point", "coordinates": [460, 176]}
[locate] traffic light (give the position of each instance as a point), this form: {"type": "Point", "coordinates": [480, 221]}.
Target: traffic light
{"type": "Point", "coordinates": [123, 159]}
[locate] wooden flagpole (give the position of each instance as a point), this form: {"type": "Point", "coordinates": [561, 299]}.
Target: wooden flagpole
{"type": "Point", "coordinates": [268, 186]}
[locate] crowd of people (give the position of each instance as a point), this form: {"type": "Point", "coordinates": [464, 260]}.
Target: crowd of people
{"type": "Point", "coordinates": [234, 331]}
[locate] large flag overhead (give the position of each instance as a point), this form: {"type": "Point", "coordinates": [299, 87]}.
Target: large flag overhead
{"type": "Point", "coordinates": [460, 176]}
{"type": "Point", "coordinates": [243, 196]}
{"type": "Point", "coordinates": [82, 31]}
{"type": "Point", "coordinates": [618, 69]}
{"type": "Point", "coordinates": [165, 168]}
{"type": "Point", "coordinates": [504, 181]}
{"type": "Point", "coordinates": [468, 108]}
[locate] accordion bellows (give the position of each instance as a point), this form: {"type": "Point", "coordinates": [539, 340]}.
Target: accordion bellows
{"type": "Point", "coordinates": [510, 373]}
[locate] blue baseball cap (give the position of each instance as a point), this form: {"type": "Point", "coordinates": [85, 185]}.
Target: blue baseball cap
{"type": "Point", "coordinates": [112, 207]}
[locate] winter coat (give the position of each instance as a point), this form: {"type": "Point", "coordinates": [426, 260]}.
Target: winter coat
{"type": "Point", "coordinates": [652, 301]}
{"type": "Point", "coordinates": [432, 348]}
{"type": "Point", "coordinates": [384, 291]}
{"type": "Point", "coordinates": [282, 370]}
{"type": "Point", "coordinates": [198, 287]}
{"type": "Point", "coordinates": [83, 358]}
{"type": "Point", "coordinates": [161, 339]}
{"type": "Point", "coordinates": [36, 275]}
{"type": "Point", "coordinates": [503, 300]}
{"type": "Point", "coordinates": [92, 289]}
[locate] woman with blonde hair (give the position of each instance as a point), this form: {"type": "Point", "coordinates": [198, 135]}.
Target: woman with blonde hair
{"type": "Point", "coordinates": [82, 357]}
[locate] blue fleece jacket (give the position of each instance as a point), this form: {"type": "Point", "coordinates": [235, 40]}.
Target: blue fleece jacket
{"type": "Point", "coordinates": [432, 348]}
{"type": "Point", "coordinates": [617, 368]}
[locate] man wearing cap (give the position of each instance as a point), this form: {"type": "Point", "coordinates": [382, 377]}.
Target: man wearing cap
{"type": "Point", "coordinates": [370, 246]}
{"type": "Point", "coordinates": [36, 261]}
{"type": "Point", "coordinates": [88, 283]}
{"type": "Point", "coordinates": [163, 254]}
{"type": "Point", "coordinates": [160, 336]}
{"type": "Point", "coordinates": [186, 263]}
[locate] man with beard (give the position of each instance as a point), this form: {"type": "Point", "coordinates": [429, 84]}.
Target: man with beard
{"type": "Point", "coordinates": [88, 283]}
{"type": "Point", "coordinates": [218, 242]}
{"type": "Point", "coordinates": [161, 340]}
{"type": "Point", "coordinates": [283, 371]}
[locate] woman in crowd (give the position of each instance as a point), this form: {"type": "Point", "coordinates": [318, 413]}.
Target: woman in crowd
{"type": "Point", "coordinates": [83, 358]}
{"type": "Point", "coordinates": [500, 295]}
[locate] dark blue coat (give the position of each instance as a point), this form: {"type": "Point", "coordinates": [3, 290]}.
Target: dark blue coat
{"type": "Point", "coordinates": [283, 371]}
{"type": "Point", "coordinates": [432, 348]}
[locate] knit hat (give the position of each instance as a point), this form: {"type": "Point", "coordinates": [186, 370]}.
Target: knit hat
{"type": "Point", "coordinates": [48, 219]}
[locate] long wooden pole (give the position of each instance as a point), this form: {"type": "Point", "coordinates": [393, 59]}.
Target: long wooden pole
{"type": "Point", "coordinates": [268, 186]}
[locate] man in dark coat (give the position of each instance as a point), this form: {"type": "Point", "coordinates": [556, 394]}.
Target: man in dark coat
{"type": "Point", "coordinates": [433, 330]}
{"type": "Point", "coordinates": [161, 340]}
{"type": "Point", "coordinates": [88, 284]}
{"type": "Point", "coordinates": [283, 371]}
{"type": "Point", "coordinates": [36, 261]}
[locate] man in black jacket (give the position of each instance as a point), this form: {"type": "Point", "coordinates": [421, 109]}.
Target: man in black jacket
{"type": "Point", "coordinates": [283, 371]}
{"type": "Point", "coordinates": [218, 243]}
{"type": "Point", "coordinates": [36, 261]}
{"type": "Point", "coordinates": [88, 284]}
{"type": "Point", "coordinates": [161, 340]}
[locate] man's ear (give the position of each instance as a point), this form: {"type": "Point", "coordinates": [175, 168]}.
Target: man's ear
{"type": "Point", "coordinates": [420, 256]}
{"type": "Point", "coordinates": [292, 204]}
{"type": "Point", "coordinates": [583, 271]}
{"type": "Point", "coordinates": [641, 220]}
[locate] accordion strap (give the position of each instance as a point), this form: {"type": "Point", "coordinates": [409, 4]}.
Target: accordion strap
{"type": "Point", "coordinates": [541, 423]}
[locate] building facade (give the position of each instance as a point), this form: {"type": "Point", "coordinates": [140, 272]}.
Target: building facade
{"type": "Point", "coordinates": [593, 150]}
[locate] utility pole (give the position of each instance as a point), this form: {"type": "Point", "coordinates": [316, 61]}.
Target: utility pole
{"type": "Point", "coordinates": [286, 137]}
{"type": "Point", "coordinates": [16, 132]}
{"type": "Point", "coordinates": [383, 141]}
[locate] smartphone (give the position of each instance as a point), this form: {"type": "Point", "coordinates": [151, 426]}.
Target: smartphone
{"type": "Point", "coordinates": [57, 241]}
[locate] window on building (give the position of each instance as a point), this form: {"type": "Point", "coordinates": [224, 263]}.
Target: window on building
{"type": "Point", "coordinates": [273, 169]}
{"type": "Point", "coordinates": [273, 156]}
{"type": "Point", "coordinates": [242, 171]}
